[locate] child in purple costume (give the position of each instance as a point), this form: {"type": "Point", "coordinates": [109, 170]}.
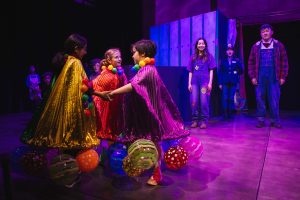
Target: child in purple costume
{"type": "Point", "coordinates": [151, 113]}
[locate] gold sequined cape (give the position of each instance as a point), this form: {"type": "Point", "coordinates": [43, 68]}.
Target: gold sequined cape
{"type": "Point", "coordinates": [63, 123]}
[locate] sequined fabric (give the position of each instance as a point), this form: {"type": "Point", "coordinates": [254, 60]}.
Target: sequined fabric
{"type": "Point", "coordinates": [150, 110]}
{"type": "Point", "coordinates": [63, 123]}
{"type": "Point", "coordinates": [109, 115]}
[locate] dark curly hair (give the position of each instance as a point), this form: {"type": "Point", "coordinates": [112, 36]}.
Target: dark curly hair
{"type": "Point", "coordinates": [147, 47]}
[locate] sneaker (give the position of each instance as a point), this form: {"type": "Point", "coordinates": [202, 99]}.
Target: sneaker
{"type": "Point", "coordinates": [194, 124]}
{"type": "Point", "coordinates": [260, 124]}
{"type": "Point", "coordinates": [276, 125]}
{"type": "Point", "coordinates": [203, 125]}
{"type": "Point", "coordinates": [74, 182]}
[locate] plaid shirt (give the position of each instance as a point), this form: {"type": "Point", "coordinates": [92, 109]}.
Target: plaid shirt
{"type": "Point", "coordinates": [281, 60]}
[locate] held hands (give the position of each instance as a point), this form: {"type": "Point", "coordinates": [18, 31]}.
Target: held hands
{"type": "Point", "coordinates": [220, 86]}
{"type": "Point", "coordinates": [110, 96]}
{"type": "Point", "coordinates": [281, 81]}
{"type": "Point", "coordinates": [105, 95]}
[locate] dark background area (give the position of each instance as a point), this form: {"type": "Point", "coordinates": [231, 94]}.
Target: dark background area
{"type": "Point", "coordinates": [36, 30]}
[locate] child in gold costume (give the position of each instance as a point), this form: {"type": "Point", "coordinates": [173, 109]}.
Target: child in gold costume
{"type": "Point", "coordinates": [64, 122]}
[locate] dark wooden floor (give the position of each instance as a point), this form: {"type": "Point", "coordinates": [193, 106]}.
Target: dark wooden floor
{"type": "Point", "coordinates": [239, 162]}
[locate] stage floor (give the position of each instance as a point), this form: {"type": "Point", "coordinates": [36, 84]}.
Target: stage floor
{"type": "Point", "coordinates": [239, 162]}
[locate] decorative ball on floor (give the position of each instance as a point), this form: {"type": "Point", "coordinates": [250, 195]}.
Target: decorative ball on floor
{"type": "Point", "coordinates": [117, 153]}
{"type": "Point", "coordinates": [63, 169]}
{"type": "Point", "coordinates": [87, 160]}
{"type": "Point", "coordinates": [143, 154]}
{"type": "Point", "coordinates": [193, 146]}
{"type": "Point", "coordinates": [175, 158]}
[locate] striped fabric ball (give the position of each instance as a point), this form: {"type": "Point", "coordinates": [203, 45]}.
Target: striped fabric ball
{"type": "Point", "coordinates": [143, 154]}
{"type": "Point", "coordinates": [193, 146]}
{"type": "Point", "coordinates": [63, 169]}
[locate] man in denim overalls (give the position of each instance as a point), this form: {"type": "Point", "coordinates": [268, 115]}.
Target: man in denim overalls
{"type": "Point", "coordinates": [268, 69]}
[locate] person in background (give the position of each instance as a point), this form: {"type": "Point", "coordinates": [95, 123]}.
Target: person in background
{"type": "Point", "coordinates": [33, 81]}
{"type": "Point", "coordinates": [201, 68]}
{"type": "Point", "coordinates": [95, 68]}
{"type": "Point", "coordinates": [229, 76]}
{"type": "Point", "coordinates": [46, 84]}
{"type": "Point", "coordinates": [268, 70]}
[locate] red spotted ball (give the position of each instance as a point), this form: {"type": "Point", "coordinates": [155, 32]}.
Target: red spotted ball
{"type": "Point", "coordinates": [175, 158]}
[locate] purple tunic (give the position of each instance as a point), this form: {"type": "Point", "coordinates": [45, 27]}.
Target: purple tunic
{"type": "Point", "coordinates": [150, 110]}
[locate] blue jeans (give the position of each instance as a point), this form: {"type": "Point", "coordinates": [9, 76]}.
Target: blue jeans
{"type": "Point", "coordinates": [228, 91]}
{"type": "Point", "coordinates": [268, 87]}
{"type": "Point", "coordinates": [199, 103]}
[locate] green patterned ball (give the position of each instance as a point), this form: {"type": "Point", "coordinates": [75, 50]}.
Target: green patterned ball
{"type": "Point", "coordinates": [143, 154]}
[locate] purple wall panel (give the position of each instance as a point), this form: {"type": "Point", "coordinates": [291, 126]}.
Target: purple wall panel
{"type": "Point", "coordinates": [154, 35]}
{"type": "Point", "coordinates": [174, 44]}
{"type": "Point", "coordinates": [176, 40]}
{"type": "Point", "coordinates": [185, 36]}
{"type": "Point", "coordinates": [164, 36]}
{"type": "Point", "coordinates": [210, 31]}
{"type": "Point", "coordinates": [197, 30]}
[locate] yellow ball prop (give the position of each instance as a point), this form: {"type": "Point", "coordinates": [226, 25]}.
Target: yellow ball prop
{"type": "Point", "coordinates": [110, 67]}
{"type": "Point", "coordinates": [142, 63]}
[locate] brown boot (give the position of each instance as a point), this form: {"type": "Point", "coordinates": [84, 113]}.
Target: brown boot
{"type": "Point", "coordinates": [203, 125]}
{"type": "Point", "coordinates": [194, 124]}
